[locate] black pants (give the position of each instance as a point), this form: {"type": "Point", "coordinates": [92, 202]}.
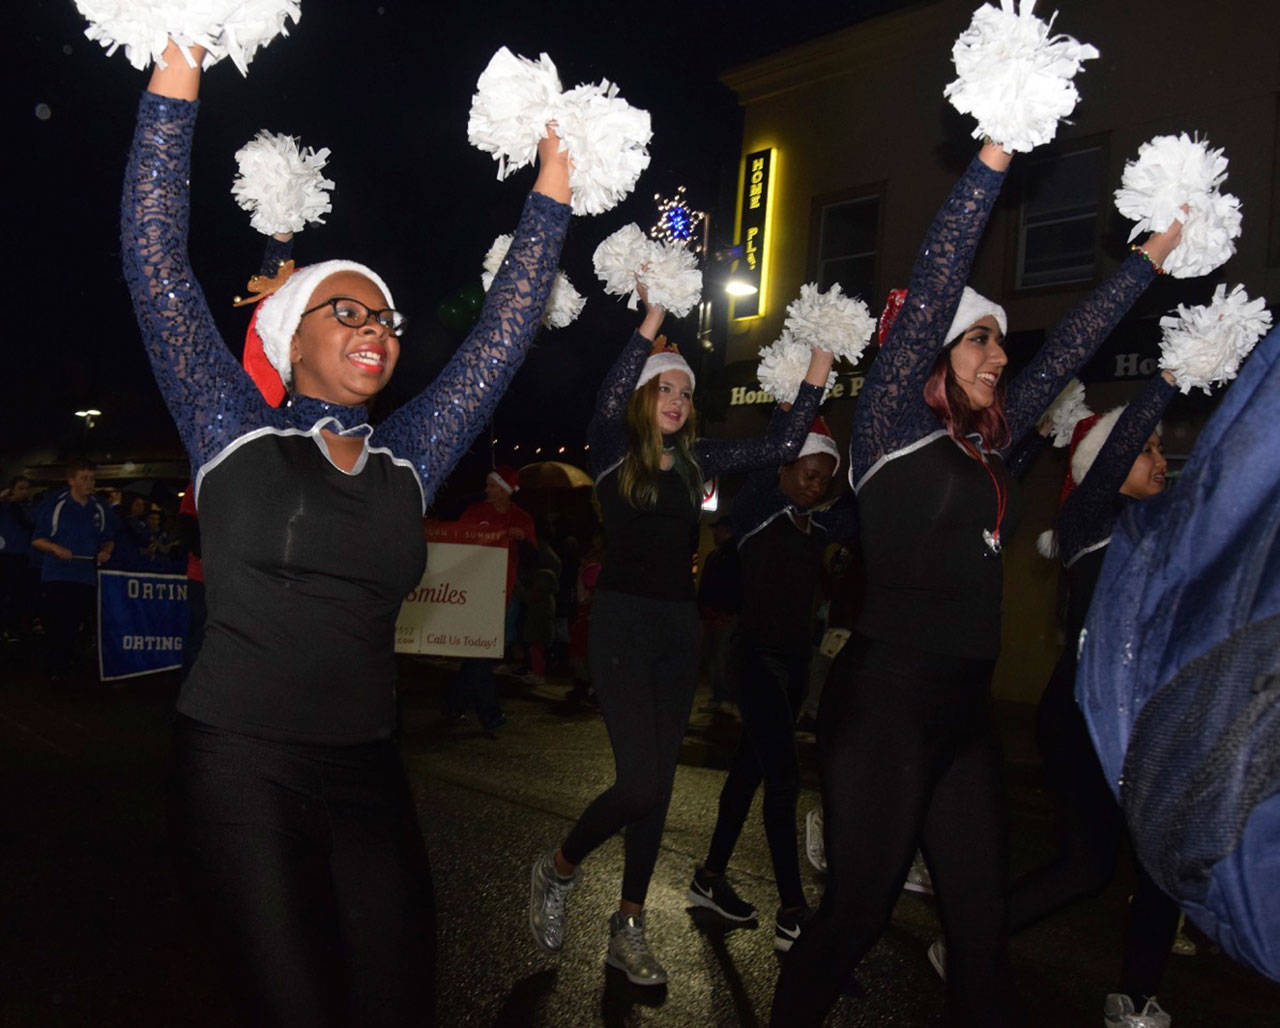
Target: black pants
{"type": "Point", "coordinates": [307, 863]}
{"type": "Point", "coordinates": [909, 757]}
{"type": "Point", "coordinates": [771, 688]}
{"type": "Point", "coordinates": [644, 663]}
{"type": "Point", "coordinates": [1090, 844]}
{"type": "Point", "coordinates": [65, 607]}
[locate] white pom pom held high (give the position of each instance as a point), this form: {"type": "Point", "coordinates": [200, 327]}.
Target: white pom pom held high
{"type": "Point", "coordinates": [830, 320]}
{"type": "Point", "coordinates": [1169, 173]}
{"type": "Point", "coordinates": [235, 29]}
{"type": "Point", "coordinates": [563, 305]}
{"type": "Point", "coordinates": [1204, 346]}
{"type": "Point", "coordinates": [1067, 410]}
{"type": "Point", "coordinates": [280, 184]}
{"type": "Point", "coordinates": [607, 139]}
{"type": "Point", "coordinates": [1014, 77]}
{"type": "Point", "coordinates": [784, 364]}
{"type": "Point", "coordinates": [668, 272]}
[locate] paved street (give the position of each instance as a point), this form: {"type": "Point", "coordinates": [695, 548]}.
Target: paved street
{"type": "Point", "coordinates": [96, 934]}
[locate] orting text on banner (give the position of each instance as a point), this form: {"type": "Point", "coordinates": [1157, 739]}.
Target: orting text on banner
{"type": "Point", "coordinates": [142, 622]}
{"type": "Point", "coordinates": [459, 606]}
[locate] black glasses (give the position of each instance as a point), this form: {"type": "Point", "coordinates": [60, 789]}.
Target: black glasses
{"type": "Point", "coordinates": [355, 314]}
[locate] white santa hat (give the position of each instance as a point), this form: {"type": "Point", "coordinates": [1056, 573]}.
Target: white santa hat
{"type": "Point", "coordinates": [278, 315]}
{"type": "Point", "coordinates": [973, 308]}
{"type": "Point", "coordinates": [819, 440]}
{"type": "Point", "coordinates": [665, 357]}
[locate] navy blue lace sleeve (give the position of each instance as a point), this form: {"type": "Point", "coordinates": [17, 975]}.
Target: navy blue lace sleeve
{"type": "Point", "coordinates": [891, 412]}
{"type": "Point", "coordinates": [757, 501]}
{"type": "Point", "coordinates": [209, 396]}
{"type": "Point", "coordinates": [436, 427]}
{"type": "Point", "coordinates": [274, 254]}
{"type": "Point", "coordinates": [607, 431]}
{"type": "Point", "coordinates": [1072, 341]}
{"type": "Point", "coordinates": [780, 444]}
{"type": "Point", "coordinates": [1090, 511]}
{"type": "Point", "coordinates": [1023, 454]}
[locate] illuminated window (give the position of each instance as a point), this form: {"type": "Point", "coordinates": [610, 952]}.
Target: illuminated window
{"type": "Point", "coordinates": [847, 232]}
{"type": "Point", "coordinates": [1058, 218]}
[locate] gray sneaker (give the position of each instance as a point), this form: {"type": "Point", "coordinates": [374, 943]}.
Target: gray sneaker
{"type": "Point", "coordinates": [548, 893]}
{"type": "Point", "coordinates": [630, 953]}
{"type": "Point", "coordinates": [1118, 1012]}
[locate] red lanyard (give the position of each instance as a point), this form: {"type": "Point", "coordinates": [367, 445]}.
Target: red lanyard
{"type": "Point", "coordinates": [990, 537]}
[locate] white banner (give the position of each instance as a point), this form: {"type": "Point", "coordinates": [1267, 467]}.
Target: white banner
{"type": "Point", "coordinates": [459, 607]}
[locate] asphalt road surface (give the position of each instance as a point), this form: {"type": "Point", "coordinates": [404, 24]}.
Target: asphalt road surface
{"type": "Point", "coordinates": [95, 931]}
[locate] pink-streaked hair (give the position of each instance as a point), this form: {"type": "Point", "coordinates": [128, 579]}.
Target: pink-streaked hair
{"type": "Point", "coordinates": [946, 398]}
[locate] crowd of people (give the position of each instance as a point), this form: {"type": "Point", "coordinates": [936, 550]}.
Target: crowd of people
{"type": "Point", "coordinates": [295, 827]}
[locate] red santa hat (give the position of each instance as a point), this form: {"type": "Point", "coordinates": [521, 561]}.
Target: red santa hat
{"type": "Point", "coordinates": [819, 440]}
{"type": "Point", "coordinates": [1087, 440]}
{"type": "Point", "coordinates": [281, 301]}
{"type": "Point", "coordinates": [664, 357]}
{"type": "Point", "coordinates": [505, 477]}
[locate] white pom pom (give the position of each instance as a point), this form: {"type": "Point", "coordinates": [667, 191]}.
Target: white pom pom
{"type": "Point", "coordinates": [564, 303]}
{"type": "Point", "coordinates": [514, 99]}
{"type": "Point", "coordinates": [607, 140]}
{"type": "Point", "coordinates": [831, 320]}
{"type": "Point", "coordinates": [618, 259]}
{"type": "Point", "coordinates": [671, 278]}
{"type": "Point", "coordinates": [225, 28]}
{"type": "Point", "coordinates": [783, 366]}
{"type": "Point", "coordinates": [1203, 346]}
{"type": "Point", "coordinates": [1014, 77]}
{"type": "Point", "coordinates": [1067, 410]}
{"type": "Point", "coordinates": [280, 184]}
{"type": "Point", "coordinates": [669, 272]}
{"type": "Point", "coordinates": [1047, 544]}
{"type": "Point", "coordinates": [1173, 171]}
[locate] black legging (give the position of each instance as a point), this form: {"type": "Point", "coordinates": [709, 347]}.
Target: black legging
{"type": "Point", "coordinates": [771, 688]}
{"type": "Point", "coordinates": [1086, 860]}
{"type": "Point", "coordinates": [909, 757]}
{"type": "Point", "coordinates": [309, 866]}
{"type": "Point", "coordinates": [644, 666]}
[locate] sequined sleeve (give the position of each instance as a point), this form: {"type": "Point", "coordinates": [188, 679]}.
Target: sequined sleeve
{"type": "Point", "coordinates": [1090, 511]}
{"type": "Point", "coordinates": [274, 254]}
{"type": "Point", "coordinates": [1072, 341]}
{"type": "Point", "coordinates": [607, 432]}
{"type": "Point", "coordinates": [1023, 454]}
{"type": "Point", "coordinates": [211, 399]}
{"type": "Point", "coordinates": [779, 445]}
{"type": "Point", "coordinates": [891, 412]}
{"type": "Point", "coordinates": [436, 427]}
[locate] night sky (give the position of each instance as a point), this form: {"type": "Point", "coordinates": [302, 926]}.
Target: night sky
{"type": "Point", "coordinates": [387, 87]}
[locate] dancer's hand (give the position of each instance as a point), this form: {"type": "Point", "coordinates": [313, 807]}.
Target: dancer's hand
{"type": "Point", "coordinates": [1160, 244]}
{"type": "Point", "coordinates": [993, 155]}
{"type": "Point", "coordinates": [179, 80]}
{"type": "Point", "coordinates": [553, 169]}
{"type": "Point", "coordinates": [653, 314]}
{"type": "Point", "coordinates": [820, 362]}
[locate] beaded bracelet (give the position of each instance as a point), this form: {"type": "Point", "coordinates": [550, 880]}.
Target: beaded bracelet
{"type": "Point", "coordinates": [1135, 248]}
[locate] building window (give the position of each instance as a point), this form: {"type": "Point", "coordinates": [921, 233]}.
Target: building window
{"type": "Point", "coordinates": [848, 229]}
{"type": "Point", "coordinates": [1058, 218]}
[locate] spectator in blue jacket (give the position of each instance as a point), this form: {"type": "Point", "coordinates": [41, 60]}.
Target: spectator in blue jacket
{"type": "Point", "coordinates": [73, 530]}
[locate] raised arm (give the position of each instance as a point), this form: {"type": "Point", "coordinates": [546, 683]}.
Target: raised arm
{"type": "Point", "coordinates": [1087, 515]}
{"type": "Point", "coordinates": [895, 382]}
{"type": "Point", "coordinates": [786, 434]}
{"type": "Point", "coordinates": [436, 427]}
{"type": "Point", "coordinates": [1074, 339]}
{"type": "Point", "coordinates": [208, 395]}
{"type": "Point", "coordinates": [607, 430]}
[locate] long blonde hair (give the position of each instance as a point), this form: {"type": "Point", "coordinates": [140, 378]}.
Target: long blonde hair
{"type": "Point", "coordinates": [638, 476]}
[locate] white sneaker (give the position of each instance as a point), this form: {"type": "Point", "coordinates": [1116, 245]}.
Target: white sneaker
{"type": "Point", "coordinates": [918, 879]}
{"type": "Point", "coordinates": [814, 846]}
{"type": "Point", "coordinates": [1118, 1012]}
{"type": "Point", "coordinates": [629, 951]}
{"type": "Point", "coordinates": [938, 957]}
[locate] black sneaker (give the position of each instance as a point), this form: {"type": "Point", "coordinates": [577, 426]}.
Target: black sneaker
{"type": "Point", "coordinates": [715, 893]}
{"type": "Point", "coordinates": [788, 925]}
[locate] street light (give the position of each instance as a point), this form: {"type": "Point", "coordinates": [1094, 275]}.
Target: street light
{"type": "Point", "coordinates": [740, 287]}
{"type": "Point", "coordinates": [89, 415]}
